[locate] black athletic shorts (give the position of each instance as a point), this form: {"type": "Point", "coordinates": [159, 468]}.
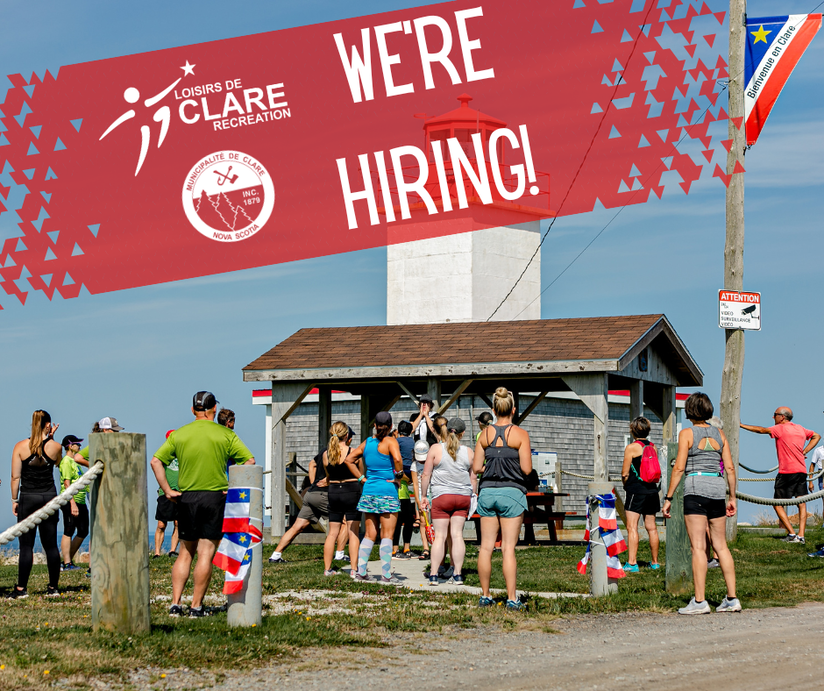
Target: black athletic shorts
{"type": "Point", "coordinates": [68, 519]}
{"type": "Point", "coordinates": [701, 506]}
{"type": "Point", "coordinates": [343, 501]}
{"type": "Point", "coordinates": [789, 485]}
{"type": "Point", "coordinates": [645, 504]}
{"type": "Point", "coordinates": [200, 515]}
{"type": "Point", "coordinates": [77, 526]}
{"type": "Point", "coordinates": [166, 511]}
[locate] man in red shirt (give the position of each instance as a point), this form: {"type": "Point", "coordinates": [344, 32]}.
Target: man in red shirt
{"type": "Point", "coordinates": [792, 468]}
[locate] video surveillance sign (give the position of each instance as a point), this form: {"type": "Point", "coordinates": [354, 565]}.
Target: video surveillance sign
{"type": "Point", "coordinates": [739, 310]}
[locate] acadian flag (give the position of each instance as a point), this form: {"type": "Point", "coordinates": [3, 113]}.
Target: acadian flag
{"type": "Point", "coordinates": [608, 531]}
{"type": "Point", "coordinates": [234, 555]}
{"type": "Point", "coordinates": [774, 47]}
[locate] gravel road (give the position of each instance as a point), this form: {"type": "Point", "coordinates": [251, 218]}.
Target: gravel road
{"type": "Point", "coordinates": [765, 649]}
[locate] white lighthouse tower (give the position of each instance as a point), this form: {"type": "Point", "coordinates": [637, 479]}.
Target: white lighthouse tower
{"type": "Point", "coordinates": [465, 274]}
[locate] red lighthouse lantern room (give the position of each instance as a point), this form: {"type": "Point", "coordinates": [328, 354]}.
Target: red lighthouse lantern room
{"type": "Point", "coordinates": [459, 125]}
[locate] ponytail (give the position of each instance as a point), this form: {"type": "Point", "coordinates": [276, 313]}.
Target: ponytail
{"type": "Point", "coordinates": [339, 432]}
{"type": "Point", "coordinates": [453, 444]}
{"type": "Point", "coordinates": [39, 420]}
{"type": "Point", "coordinates": [503, 401]}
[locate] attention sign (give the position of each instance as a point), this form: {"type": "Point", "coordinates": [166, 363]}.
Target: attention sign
{"type": "Point", "coordinates": [739, 310]}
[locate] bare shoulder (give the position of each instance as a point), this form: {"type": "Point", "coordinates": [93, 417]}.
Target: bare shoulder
{"type": "Point", "coordinates": [21, 448]}
{"type": "Point", "coordinates": [519, 435]}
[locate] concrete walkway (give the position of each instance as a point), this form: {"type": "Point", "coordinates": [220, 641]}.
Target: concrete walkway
{"type": "Point", "coordinates": [410, 573]}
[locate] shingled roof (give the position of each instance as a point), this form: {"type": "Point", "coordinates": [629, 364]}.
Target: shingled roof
{"type": "Point", "coordinates": [543, 346]}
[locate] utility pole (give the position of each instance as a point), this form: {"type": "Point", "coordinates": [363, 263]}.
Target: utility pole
{"type": "Point", "coordinates": [733, 372]}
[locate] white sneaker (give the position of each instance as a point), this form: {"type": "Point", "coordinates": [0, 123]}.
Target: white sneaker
{"type": "Point", "coordinates": [696, 608]}
{"type": "Point", "coordinates": [339, 556]}
{"type": "Point", "coordinates": [729, 604]}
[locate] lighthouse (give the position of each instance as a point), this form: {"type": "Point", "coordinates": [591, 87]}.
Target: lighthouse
{"type": "Point", "coordinates": [472, 258]}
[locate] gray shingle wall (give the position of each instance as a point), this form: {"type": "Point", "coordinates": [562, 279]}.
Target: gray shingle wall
{"type": "Point", "coordinates": [559, 425]}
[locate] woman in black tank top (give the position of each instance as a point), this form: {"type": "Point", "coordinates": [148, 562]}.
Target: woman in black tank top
{"type": "Point", "coordinates": [503, 458]}
{"type": "Point", "coordinates": [32, 486]}
{"type": "Point", "coordinates": [345, 478]}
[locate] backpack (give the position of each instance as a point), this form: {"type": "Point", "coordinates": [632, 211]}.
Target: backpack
{"type": "Point", "coordinates": [650, 467]}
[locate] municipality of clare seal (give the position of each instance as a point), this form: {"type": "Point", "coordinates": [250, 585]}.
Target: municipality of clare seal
{"type": "Point", "coordinates": [228, 196]}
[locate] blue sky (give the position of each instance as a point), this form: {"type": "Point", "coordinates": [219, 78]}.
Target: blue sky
{"type": "Point", "coordinates": [140, 354]}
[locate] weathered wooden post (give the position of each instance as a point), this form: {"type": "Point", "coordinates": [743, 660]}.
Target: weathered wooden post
{"type": "Point", "coordinates": [119, 552]}
{"type": "Point", "coordinates": [246, 605]}
{"type": "Point", "coordinates": [679, 553]}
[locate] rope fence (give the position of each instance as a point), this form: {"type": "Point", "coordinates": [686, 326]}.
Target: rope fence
{"type": "Point", "coordinates": [757, 472]}
{"type": "Point", "coordinates": [795, 501]}
{"type": "Point", "coordinates": [586, 477]}
{"type": "Point", "coordinates": [54, 505]}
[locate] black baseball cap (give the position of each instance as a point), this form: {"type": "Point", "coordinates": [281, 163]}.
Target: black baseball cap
{"type": "Point", "coordinates": [204, 400]}
{"type": "Point", "coordinates": [456, 425]}
{"type": "Point", "coordinates": [426, 398]}
{"type": "Point", "coordinates": [383, 418]}
{"type": "Point", "coordinates": [70, 439]}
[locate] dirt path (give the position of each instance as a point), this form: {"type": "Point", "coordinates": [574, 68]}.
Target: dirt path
{"type": "Point", "coordinates": [758, 649]}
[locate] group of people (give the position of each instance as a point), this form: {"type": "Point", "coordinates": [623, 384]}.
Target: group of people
{"type": "Point", "coordinates": [403, 474]}
{"type": "Point", "coordinates": [33, 463]}
{"type": "Point", "coordinates": [399, 476]}
{"type": "Point", "coordinates": [705, 463]}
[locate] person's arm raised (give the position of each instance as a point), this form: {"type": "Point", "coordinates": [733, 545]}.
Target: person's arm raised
{"type": "Point", "coordinates": [755, 428]}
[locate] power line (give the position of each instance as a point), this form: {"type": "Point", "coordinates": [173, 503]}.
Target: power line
{"type": "Point", "coordinates": [618, 83]}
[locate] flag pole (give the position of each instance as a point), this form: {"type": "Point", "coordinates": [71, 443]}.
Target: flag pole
{"type": "Point", "coordinates": [733, 372]}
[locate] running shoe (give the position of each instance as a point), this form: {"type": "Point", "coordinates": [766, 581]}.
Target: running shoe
{"type": "Point", "coordinates": [345, 557]}
{"type": "Point", "coordinates": [446, 572]}
{"type": "Point", "coordinates": [655, 566]}
{"type": "Point", "coordinates": [330, 572]}
{"type": "Point", "coordinates": [819, 553]}
{"type": "Point", "coordinates": [729, 604]}
{"type": "Point", "coordinates": [516, 605]}
{"type": "Point", "coordinates": [361, 579]}
{"type": "Point", "coordinates": [790, 537]}
{"type": "Point", "coordinates": [484, 601]}
{"type": "Point", "coordinates": [197, 612]}
{"type": "Point", "coordinates": [338, 556]}
{"type": "Point", "coordinates": [175, 611]}
{"type": "Point", "coordinates": [696, 608]}
{"type": "Point", "coordinates": [154, 556]}
{"type": "Point", "coordinates": [402, 555]}
{"type": "Point", "coordinates": [458, 579]}
{"type": "Point", "coordinates": [51, 591]}
{"type": "Point", "coordinates": [17, 594]}
{"type": "Point", "coordinates": [630, 568]}
{"type": "Point", "coordinates": [799, 540]}
{"type": "Point", "coordinates": [69, 567]}
{"type": "Point", "coordinates": [713, 564]}
{"type": "Point", "coordinates": [434, 581]}
{"type": "Point", "coordinates": [392, 580]}
{"type": "Point", "coordinates": [277, 560]}
{"type": "Point", "coordinates": [172, 554]}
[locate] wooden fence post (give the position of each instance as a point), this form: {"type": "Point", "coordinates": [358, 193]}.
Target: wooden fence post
{"type": "Point", "coordinates": [245, 606]}
{"type": "Point", "coordinates": [679, 552]}
{"type": "Point", "coordinates": [119, 553]}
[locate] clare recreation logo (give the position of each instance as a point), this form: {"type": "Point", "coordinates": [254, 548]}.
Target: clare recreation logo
{"type": "Point", "coordinates": [228, 196]}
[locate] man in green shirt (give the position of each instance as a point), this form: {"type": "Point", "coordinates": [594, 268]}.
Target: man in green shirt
{"type": "Point", "coordinates": [166, 511]}
{"type": "Point", "coordinates": [75, 513]}
{"type": "Point", "coordinates": [202, 449]}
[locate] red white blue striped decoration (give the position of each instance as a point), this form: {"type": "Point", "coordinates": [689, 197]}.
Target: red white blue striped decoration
{"type": "Point", "coordinates": [607, 531]}
{"type": "Point", "coordinates": [774, 47]}
{"type": "Point", "coordinates": [234, 554]}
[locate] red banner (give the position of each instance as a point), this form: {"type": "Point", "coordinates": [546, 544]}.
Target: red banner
{"type": "Point", "coordinates": [353, 134]}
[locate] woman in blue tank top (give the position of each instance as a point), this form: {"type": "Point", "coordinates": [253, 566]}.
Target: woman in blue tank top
{"type": "Point", "coordinates": [382, 468]}
{"type": "Point", "coordinates": [503, 458]}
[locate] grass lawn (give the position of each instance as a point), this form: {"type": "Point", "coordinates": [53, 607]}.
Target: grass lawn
{"type": "Point", "coordinates": [49, 642]}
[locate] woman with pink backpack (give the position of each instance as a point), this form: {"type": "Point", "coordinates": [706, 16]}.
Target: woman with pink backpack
{"type": "Point", "coordinates": [641, 474]}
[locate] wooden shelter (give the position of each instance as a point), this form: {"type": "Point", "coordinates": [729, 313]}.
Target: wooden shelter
{"type": "Point", "coordinates": [587, 356]}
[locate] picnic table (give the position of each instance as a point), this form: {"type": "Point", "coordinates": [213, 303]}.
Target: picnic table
{"type": "Point", "coordinates": [540, 510]}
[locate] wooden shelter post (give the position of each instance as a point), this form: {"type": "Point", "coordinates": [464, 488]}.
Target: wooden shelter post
{"type": "Point", "coordinates": [286, 397]}
{"type": "Point", "coordinates": [636, 399]}
{"type": "Point", "coordinates": [433, 388]}
{"type": "Point", "coordinates": [324, 415]}
{"type": "Point", "coordinates": [593, 390]}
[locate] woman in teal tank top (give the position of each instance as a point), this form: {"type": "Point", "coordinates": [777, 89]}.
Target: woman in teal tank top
{"type": "Point", "coordinates": [382, 468]}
